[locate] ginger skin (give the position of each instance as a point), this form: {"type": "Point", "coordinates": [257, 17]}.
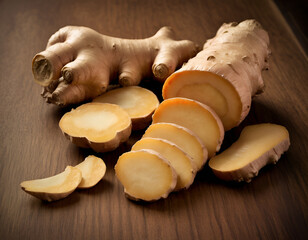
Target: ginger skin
{"type": "Point", "coordinates": [79, 63]}
{"type": "Point", "coordinates": [227, 73]}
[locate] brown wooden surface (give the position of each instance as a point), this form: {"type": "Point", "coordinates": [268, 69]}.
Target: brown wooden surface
{"type": "Point", "coordinates": [273, 206]}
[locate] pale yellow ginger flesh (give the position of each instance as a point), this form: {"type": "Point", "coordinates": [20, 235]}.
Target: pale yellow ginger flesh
{"type": "Point", "coordinates": [140, 103]}
{"type": "Point", "coordinates": [93, 170]}
{"type": "Point", "coordinates": [100, 126]}
{"type": "Point", "coordinates": [183, 138]}
{"type": "Point", "coordinates": [79, 63]}
{"type": "Point", "coordinates": [226, 74]}
{"type": "Point", "coordinates": [145, 175]}
{"type": "Point", "coordinates": [257, 146]}
{"type": "Point", "coordinates": [178, 159]}
{"type": "Point", "coordinates": [195, 116]}
{"type": "Point", "coordinates": [207, 88]}
{"type": "Point", "coordinates": [55, 187]}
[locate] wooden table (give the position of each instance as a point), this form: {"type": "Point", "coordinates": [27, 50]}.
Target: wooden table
{"type": "Point", "coordinates": [273, 206]}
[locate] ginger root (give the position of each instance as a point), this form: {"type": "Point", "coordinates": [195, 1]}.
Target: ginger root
{"type": "Point", "coordinates": [226, 74]}
{"type": "Point", "coordinates": [79, 63]}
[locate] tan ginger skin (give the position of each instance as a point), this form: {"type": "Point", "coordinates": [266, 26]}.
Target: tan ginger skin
{"type": "Point", "coordinates": [79, 63]}
{"type": "Point", "coordinates": [239, 52]}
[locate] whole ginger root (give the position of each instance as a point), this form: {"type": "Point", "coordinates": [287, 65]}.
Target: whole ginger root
{"type": "Point", "coordinates": [79, 63]}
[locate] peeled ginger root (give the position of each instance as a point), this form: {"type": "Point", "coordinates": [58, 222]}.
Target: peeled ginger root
{"type": "Point", "coordinates": [55, 187]}
{"type": "Point", "coordinates": [145, 175]}
{"type": "Point", "coordinates": [183, 138]}
{"type": "Point", "coordinates": [195, 116]}
{"type": "Point", "coordinates": [226, 74]}
{"type": "Point", "coordinates": [257, 146]}
{"type": "Point", "coordinates": [92, 170]}
{"type": "Point", "coordinates": [100, 126]}
{"type": "Point", "coordinates": [140, 103]}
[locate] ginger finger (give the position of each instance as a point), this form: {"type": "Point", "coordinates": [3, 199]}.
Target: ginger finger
{"type": "Point", "coordinates": [91, 60]}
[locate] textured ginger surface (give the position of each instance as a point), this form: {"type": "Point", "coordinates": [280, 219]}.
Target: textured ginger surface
{"type": "Point", "coordinates": [226, 74]}
{"type": "Point", "coordinates": [79, 63]}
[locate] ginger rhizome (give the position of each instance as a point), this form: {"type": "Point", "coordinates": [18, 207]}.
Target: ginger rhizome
{"type": "Point", "coordinates": [226, 74]}
{"type": "Point", "coordinates": [79, 63]}
{"type": "Point", "coordinates": [209, 95]}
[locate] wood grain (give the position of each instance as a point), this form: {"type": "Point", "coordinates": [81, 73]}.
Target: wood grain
{"type": "Point", "coordinates": [273, 206]}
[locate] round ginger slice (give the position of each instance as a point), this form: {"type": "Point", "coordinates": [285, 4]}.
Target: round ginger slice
{"type": "Point", "coordinates": [178, 159]}
{"type": "Point", "coordinates": [55, 187]}
{"type": "Point", "coordinates": [145, 175]}
{"type": "Point", "coordinates": [209, 89]}
{"type": "Point", "coordinates": [93, 170]}
{"type": "Point", "coordinates": [140, 103]}
{"type": "Point", "coordinates": [195, 116]}
{"type": "Point", "coordinates": [183, 138]}
{"type": "Point", "coordinates": [100, 126]}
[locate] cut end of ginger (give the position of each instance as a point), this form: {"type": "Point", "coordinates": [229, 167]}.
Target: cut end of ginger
{"type": "Point", "coordinates": [140, 103]}
{"type": "Point", "coordinates": [183, 138]}
{"type": "Point", "coordinates": [145, 175]}
{"type": "Point", "coordinates": [257, 146]}
{"type": "Point", "coordinates": [93, 170]}
{"type": "Point", "coordinates": [55, 187]}
{"type": "Point", "coordinates": [209, 89]}
{"type": "Point", "coordinates": [195, 116]}
{"type": "Point", "coordinates": [100, 126]}
{"type": "Point", "coordinates": [178, 159]}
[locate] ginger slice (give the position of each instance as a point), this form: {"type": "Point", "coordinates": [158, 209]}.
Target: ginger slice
{"type": "Point", "coordinates": [183, 138]}
{"type": "Point", "coordinates": [195, 116]}
{"type": "Point", "coordinates": [257, 146]}
{"type": "Point", "coordinates": [140, 103]}
{"type": "Point", "coordinates": [226, 74]}
{"type": "Point", "coordinates": [93, 170]}
{"type": "Point", "coordinates": [100, 126]}
{"type": "Point", "coordinates": [55, 187]}
{"type": "Point", "coordinates": [208, 88]}
{"type": "Point", "coordinates": [145, 175]}
{"type": "Point", "coordinates": [178, 159]}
